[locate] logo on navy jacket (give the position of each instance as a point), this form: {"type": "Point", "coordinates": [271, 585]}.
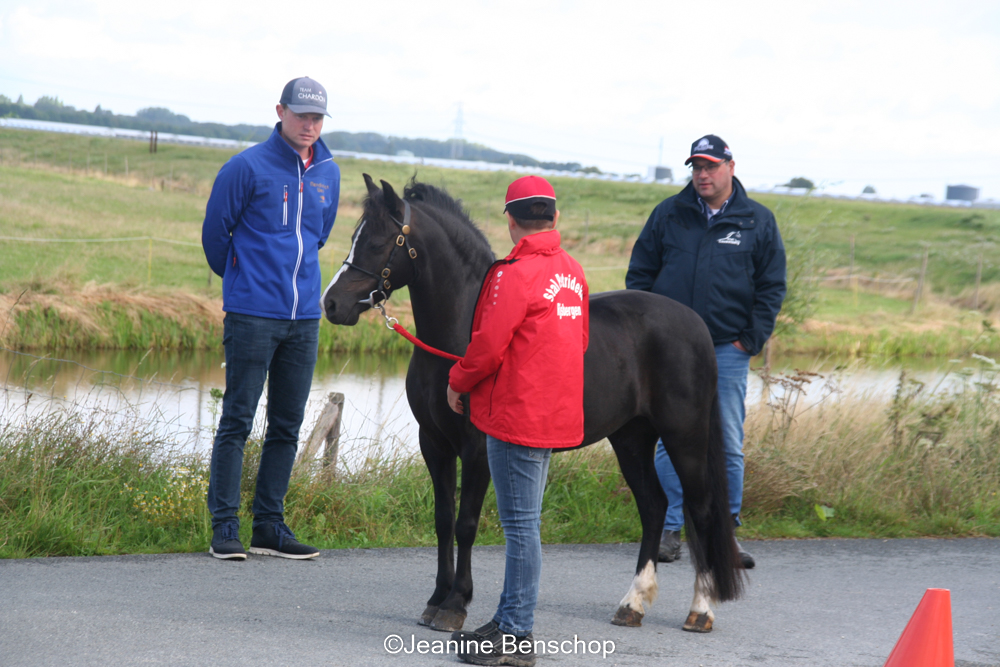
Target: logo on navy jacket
{"type": "Point", "coordinates": [732, 238]}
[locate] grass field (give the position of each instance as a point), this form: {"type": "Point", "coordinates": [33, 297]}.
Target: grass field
{"type": "Point", "coordinates": [49, 190]}
{"type": "Point", "coordinates": [81, 484]}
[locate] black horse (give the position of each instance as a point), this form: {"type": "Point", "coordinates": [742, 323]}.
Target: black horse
{"type": "Point", "coordinates": [649, 372]}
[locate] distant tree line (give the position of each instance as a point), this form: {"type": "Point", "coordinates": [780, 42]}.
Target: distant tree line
{"type": "Point", "coordinates": [372, 142]}
{"type": "Point", "coordinates": [153, 118]}
{"type": "Point", "coordinates": [165, 120]}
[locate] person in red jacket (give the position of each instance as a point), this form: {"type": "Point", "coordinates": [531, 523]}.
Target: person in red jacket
{"type": "Point", "coordinates": [523, 370]}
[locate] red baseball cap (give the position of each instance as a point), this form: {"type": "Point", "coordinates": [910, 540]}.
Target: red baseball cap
{"type": "Point", "coordinates": [523, 193]}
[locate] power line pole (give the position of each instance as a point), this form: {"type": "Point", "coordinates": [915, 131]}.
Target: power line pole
{"type": "Point", "coordinates": [457, 140]}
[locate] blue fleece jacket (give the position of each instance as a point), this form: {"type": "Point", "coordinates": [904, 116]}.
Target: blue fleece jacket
{"type": "Point", "coordinates": [732, 273]}
{"type": "Point", "coordinates": [266, 219]}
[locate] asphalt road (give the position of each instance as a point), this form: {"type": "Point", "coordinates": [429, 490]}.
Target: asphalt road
{"type": "Point", "coordinates": [823, 602]}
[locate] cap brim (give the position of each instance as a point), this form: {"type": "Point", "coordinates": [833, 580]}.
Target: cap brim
{"type": "Point", "coordinates": [531, 197]}
{"type": "Point", "coordinates": [710, 158]}
{"type": "Point", "coordinates": [305, 108]}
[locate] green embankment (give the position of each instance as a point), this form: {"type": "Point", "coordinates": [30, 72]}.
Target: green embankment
{"type": "Point", "coordinates": [49, 190]}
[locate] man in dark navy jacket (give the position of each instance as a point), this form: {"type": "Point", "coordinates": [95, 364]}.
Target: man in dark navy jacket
{"type": "Point", "coordinates": [272, 208]}
{"type": "Point", "coordinates": [717, 251]}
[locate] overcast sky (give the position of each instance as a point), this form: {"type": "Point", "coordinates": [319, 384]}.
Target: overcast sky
{"type": "Point", "coordinates": [904, 96]}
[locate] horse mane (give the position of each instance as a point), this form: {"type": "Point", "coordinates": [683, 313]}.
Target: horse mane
{"type": "Point", "coordinates": [436, 198]}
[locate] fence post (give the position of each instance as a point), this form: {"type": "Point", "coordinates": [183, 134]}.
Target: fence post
{"type": "Point", "coordinates": [126, 166]}
{"type": "Point", "coordinates": [326, 431]}
{"type": "Point", "coordinates": [586, 228]}
{"type": "Point", "coordinates": [209, 276]}
{"type": "Point", "coordinates": [149, 263]}
{"type": "Point", "coordinates": [979, 277]}
{"type": "Point", "coordinates": [850, 271]}
{"type": "Point", "coordinates": [920, 283]}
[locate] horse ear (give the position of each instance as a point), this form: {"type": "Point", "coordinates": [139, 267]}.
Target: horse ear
{"type": "Point", "coordinates": [370, 184]}
{"type": "Point", "coordinates": [392, 201]}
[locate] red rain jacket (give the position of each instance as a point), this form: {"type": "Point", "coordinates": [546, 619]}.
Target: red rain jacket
{"type": "Point", "coordinates": [524, 363]}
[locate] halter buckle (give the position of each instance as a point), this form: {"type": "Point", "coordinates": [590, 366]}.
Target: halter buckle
{"type": "Point", "coordinates": [400, 240]}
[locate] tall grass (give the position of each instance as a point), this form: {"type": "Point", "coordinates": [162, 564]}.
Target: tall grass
{"type": "Point", "coordinates": [80, 486]}
{"type": "Point", "coordinates": [924, 462]}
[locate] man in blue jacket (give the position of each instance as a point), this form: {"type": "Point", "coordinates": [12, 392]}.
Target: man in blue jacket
{"type": "Point", "coordinates": [272, 208]}
{"type": "Point", "coordinates": [717, 251]}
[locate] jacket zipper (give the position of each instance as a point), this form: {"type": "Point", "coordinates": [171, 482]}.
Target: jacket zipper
{"type": "Point", "coordinates": [284, 214]}
{"type": "Point", "coordinates": [298, 235]}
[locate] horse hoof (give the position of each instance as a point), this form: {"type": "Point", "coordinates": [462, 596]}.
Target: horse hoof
{"type": "Point", "coordinates": [698, 622]}
{"type": "Point", "coordinates": [448, 620]}
{"type": "Point", "coordinates": [428, 616]}
{"type": "Point", "coordinates": [628, 617]}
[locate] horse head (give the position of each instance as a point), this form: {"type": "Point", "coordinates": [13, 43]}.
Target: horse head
{"type": "Point", "coordinates": [381, 258]}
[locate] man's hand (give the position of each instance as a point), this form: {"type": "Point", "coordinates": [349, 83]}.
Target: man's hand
{"type": "Point", "coordinates": [739, 346]}
{"type": "Point", "coordinates": [455, 401]}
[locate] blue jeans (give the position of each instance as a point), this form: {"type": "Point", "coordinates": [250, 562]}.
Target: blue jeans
{"type": "Point", "coordinates": [284, 353]}
{"type": "Point", "coordinates": [519, 474]}
{"type": "Point", "coordinates": [734, 365]}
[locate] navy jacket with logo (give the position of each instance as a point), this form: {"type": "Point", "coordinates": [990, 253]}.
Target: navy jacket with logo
{"type": "Point", "coordinates": [731, 273]}
{"type": "Point", "coordinates": [265, 222]}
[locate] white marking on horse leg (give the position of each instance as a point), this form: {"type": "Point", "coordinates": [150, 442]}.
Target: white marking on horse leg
{"type": "Point", "coordinates": [643, 591]}
{"type": "Point", "coordinates": [702, 595]}
{"type": "Point", "coordinates": [343, 267]}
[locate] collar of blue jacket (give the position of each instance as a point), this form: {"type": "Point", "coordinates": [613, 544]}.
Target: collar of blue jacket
{"type": "Point", "coordinates": [320, 151]}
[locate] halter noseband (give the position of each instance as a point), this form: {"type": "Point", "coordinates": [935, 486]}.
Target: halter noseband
{"type": "Point", "coordinates": [401, 240]}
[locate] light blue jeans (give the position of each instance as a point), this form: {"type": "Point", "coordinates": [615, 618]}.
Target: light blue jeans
{"type": "Point", "coordinates": [519, 475]}
{"type": "Point", "coordinates": [734, 365]}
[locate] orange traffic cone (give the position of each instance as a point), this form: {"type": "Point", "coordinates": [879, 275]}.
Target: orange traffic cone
{"type": "Point", "coordinates": [927, 640]}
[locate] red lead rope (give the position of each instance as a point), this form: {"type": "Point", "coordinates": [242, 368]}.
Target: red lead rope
{"type": "Point", "coordinates": [422, 345]}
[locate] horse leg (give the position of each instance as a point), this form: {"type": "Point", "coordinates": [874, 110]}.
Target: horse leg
{"type": "Point", "coordinates": [701, 617]}
{"type": "Point", "coordinates": [711, 541]}
{"type": "Point", "coordinates": [475, 482]}
{"type": "Point", "coordinates": [634, 446]}
{"type": "Point", "coordinates": [441, 465]}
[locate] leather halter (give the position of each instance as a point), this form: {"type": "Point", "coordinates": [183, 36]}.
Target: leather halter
{"type": "Point", "coordinates": [401, 241]}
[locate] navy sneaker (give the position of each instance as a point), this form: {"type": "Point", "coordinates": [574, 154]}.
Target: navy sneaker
{"type": "Point", "coordinates": [226, 542]}
{"type": "Point", "coordinates": [489, 645]}
{"type": "Point", "coordinates": [275, 539]}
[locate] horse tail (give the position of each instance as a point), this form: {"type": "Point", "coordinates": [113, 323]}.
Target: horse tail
{"type": "Point", "coordinates": [712, 533]}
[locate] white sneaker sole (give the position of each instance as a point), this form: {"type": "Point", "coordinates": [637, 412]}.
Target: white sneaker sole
{"type": "Point", "coordinates": [260, 551]}
{"type": "Point", "coordinates": [242, 556]}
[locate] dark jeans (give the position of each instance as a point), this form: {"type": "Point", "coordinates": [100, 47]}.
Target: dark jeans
{"type": "Point", "coordinates": [284, 353]}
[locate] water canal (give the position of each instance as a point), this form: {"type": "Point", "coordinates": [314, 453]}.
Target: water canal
{"type": "Point", "coordinates": [170, 393]}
